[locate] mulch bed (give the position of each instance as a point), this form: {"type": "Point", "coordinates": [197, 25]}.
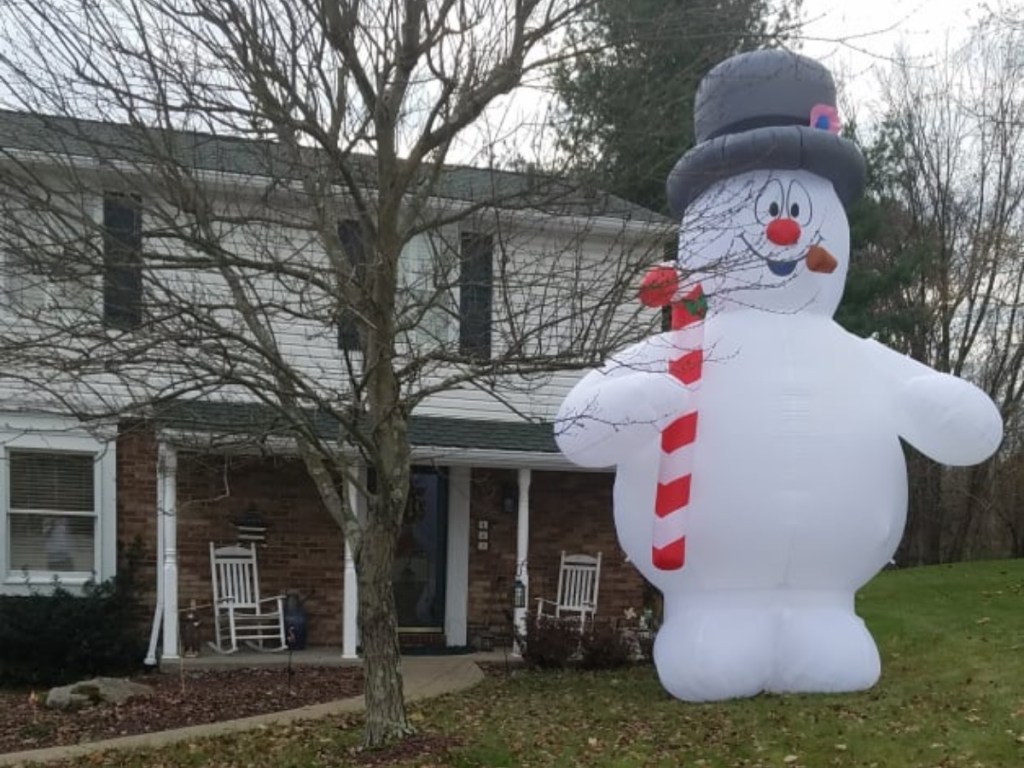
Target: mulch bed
{"type": "Point", "coordinates": [178, 700]}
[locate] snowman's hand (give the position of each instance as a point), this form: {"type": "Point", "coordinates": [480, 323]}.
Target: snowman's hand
{"type": "Point", "coordinates": [609, 415]}
{"type": "Point", "coordinates": [948, 419]}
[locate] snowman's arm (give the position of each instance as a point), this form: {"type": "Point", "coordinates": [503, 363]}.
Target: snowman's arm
{"type": "Point", "coordinates": [615, 409]}
{"type": "Point", "coordinates": [944, 417]}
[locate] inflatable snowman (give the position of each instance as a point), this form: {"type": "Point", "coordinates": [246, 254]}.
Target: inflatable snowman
{"type": "Point", "coordinates": [761, 480]}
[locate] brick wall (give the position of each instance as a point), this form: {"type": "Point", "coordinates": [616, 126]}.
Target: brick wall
{"type": "Point", "coordinates": [304, 550]}
{"type": "Point", "coordinates": [568, 510]}
{"type": "Point", "coordinates": [573, 511]}
{"type": "Point", "coordinates": [492, 572]}
{"type": "Point", "coordinates": [136, 507]}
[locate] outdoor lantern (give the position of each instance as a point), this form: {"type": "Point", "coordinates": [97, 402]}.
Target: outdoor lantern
{"type": "Point", "coordinates": [519, 594]}
{"type": "Point", "coordinates": [509, 498]}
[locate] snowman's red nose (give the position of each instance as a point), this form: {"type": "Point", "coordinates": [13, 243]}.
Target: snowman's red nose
{"type": "Point", "coordinates": [783, 231]}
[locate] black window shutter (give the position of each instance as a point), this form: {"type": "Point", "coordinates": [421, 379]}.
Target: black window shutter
{"type": "Point", "coordinates": [670, 249]}
{"type": "Point", "coordinates": [669, 253]}
{"type": "Point", "coordinates": [122, 261]}
{"type": "Point", "coordinates": [476, 294]}
{"type": "Point", "coordinates": [351, 235]}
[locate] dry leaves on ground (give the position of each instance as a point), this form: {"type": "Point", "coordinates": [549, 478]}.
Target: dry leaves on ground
{"type": "Point", "coordinates": [188, 698]}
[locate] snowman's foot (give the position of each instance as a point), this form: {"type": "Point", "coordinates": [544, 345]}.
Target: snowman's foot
{"type": "Point", "coordinates": [714, 654]}
{"type": "Point", "coordinates": [824, 650]}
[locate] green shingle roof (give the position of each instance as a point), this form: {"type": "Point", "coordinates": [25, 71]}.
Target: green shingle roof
{"type": "Point", "coordinates": [259, 420]}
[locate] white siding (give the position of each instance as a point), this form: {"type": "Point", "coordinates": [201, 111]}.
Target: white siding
{"type": "Point", "coordinates": [548, 283]}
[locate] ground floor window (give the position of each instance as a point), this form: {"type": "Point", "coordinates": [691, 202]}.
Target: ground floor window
{"type": "Point", "coordinates": [57, 509]}
{"type": "Point", "coordinates": [51, 518]}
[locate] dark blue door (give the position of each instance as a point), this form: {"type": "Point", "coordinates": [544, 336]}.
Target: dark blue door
{"type": "Point", "coordinates": [420, 559]}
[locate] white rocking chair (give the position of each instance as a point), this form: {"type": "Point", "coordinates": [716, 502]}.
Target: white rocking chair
{"type": "Point", "coordinates": [239, 614]}
{"type": "Point", "coordinates": [578, 579]}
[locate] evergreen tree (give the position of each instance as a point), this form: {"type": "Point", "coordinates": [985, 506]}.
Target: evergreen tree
{"type": "Point", "coordinates": [628, 96]}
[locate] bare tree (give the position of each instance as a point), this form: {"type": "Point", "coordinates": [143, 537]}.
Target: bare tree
{"type": "Point", "coordinates": [276, 177]}
{"type": "Point", "coordinates": [951, 187]}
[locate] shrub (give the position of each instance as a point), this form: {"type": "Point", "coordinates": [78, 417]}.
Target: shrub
{"type": "Point", "coordinates": [645, 646]}
{"type": "Point", "coordinates": [550, 642]}
{"type": "Point", "coordinates": [57, 637]}
{"type": "Point", "coordinates": [604, 647]}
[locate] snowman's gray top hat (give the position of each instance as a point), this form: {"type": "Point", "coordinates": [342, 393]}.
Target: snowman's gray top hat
{"type": "Point", "coordinates": [766, 110]}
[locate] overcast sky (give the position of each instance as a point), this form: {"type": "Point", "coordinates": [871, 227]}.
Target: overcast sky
{"type": "Point", "coordinates": [853, 37]}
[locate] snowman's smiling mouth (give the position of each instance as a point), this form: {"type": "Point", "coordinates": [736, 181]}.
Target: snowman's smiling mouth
{"type": "Point", "coordinates": [782, 267]}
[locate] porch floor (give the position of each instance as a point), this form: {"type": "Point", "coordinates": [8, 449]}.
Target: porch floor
{"type": "Point", "coordinates": [311, 657]}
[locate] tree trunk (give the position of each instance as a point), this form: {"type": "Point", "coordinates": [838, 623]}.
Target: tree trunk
{"type": "Point", "coordinates": [385, 705]}
{"type": "Point", "coordinates": [378, 630]}
{"type": "Point", "coordinates": [922, 540]}
{"type": "Point", "coordinates": [976, 497]}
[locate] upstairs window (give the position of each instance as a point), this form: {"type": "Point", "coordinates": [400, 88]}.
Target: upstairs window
{"type": "Point", "coordinates": [475, 294]}
{"type": "Point", "coordinates": [426, 296]}
{"type": "Point", "coordinates": [45, 267]}
{"type": "Point", "coordinates": [122, 261]}
{"type": "Point", "coordinates": [25, 285]}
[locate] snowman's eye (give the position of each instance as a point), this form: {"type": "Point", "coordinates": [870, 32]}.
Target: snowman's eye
{"type": "Point", "coordinates": [770, 201]}
{"type": "Point", "coordinates": [799, 203]}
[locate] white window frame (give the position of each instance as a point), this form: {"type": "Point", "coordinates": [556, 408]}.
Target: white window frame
{"type": "Point", "coordinates": [58, 435]}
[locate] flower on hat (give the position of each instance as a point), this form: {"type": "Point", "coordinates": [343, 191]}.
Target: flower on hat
{"type": "Point", "coordinates": [826, 118]}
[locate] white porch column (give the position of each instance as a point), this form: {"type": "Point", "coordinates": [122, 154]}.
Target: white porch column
{"type": "Point", "coordinates": [158, 610]}
{"type": "Point", "coordinates": [350, 594]}
{"type": "Point", "coordinates": [523, 547]}
{"type": "Point", "coordinates": [167, 478]}
{"type": "Point", "coordinates": [456, 604]}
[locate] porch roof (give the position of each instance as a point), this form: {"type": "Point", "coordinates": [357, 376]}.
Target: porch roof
{"type": "Point", "coordinates": [257, 420]}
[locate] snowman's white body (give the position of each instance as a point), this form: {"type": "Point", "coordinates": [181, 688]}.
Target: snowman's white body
{"type": "Point", "coordinates": [798, 479]}
{"type": "Point", "coordinates": [768, 487]}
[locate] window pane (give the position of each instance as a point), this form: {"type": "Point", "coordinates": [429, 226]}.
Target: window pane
{"type": "Point", "coordinates": [24, 285]}
{"type": "Point", "coordinates": [51, 543]}
{"type": "Point", "coordinates": [52, 482]}
{"type": "Point", "coordinates": [422, 275]}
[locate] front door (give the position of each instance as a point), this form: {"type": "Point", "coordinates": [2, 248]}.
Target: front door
{"type": "Point", "coordinates": [420, 563]}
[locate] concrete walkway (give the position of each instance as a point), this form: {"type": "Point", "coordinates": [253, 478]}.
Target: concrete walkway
{"type": "Point", "coordinates": [424, 677]}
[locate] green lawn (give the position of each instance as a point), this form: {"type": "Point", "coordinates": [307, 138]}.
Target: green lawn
{"type": "Point", "coordinates": [952, 694]}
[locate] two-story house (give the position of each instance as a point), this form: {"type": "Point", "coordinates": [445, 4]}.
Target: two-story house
{"type": "Point", "coordinates": [131, 411]}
